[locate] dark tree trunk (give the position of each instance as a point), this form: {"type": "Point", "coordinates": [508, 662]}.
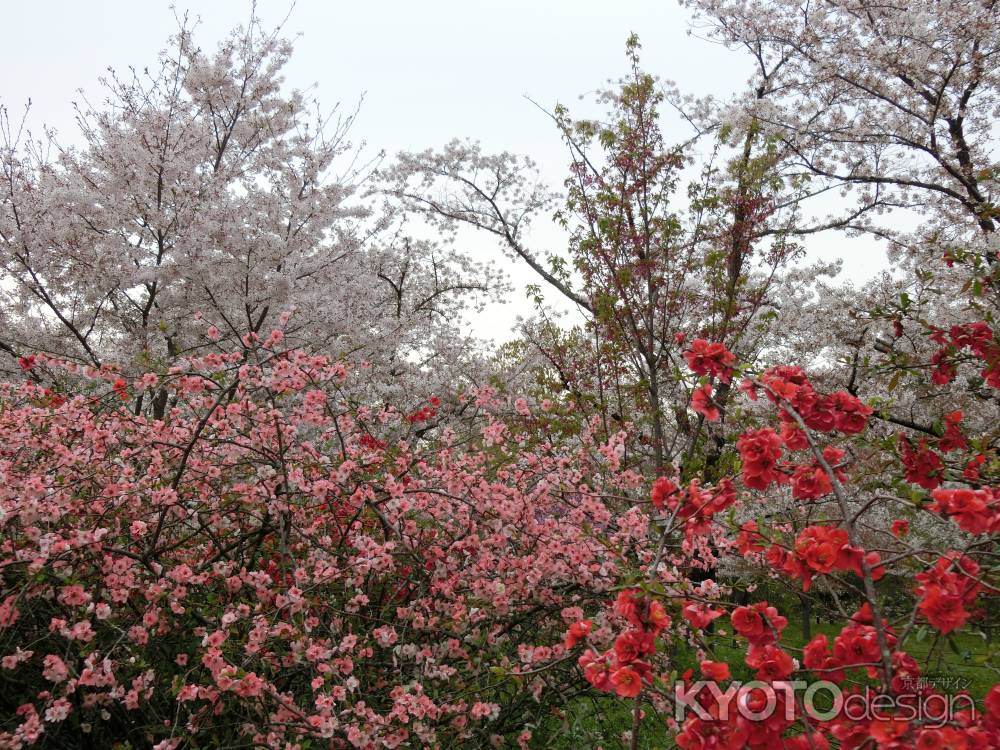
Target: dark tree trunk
{"type": "Point", "coordinates": [806, 603]}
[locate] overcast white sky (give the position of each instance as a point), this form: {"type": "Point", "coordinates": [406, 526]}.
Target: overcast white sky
{"type": "Point", "coordinates": [429, 70]}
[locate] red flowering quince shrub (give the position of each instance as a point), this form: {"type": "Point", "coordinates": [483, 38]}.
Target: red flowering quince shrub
{"type": "Point", "coordinates": [628, 648]}
{"type": "Point", "coordinates": [273, 564]}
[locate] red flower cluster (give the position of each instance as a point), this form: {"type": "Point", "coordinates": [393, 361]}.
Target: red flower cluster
{"type": "Point", "coordinates": [758, 623]}
{"type": "Point", "coordinates": [730, 729]}
{"type": "Point", "coordinates": [975, 511]}
{"type": "Point", "coordinates": [120, 387]}
{"type": "Point", "coordinates": [893, 732]}
{"type": "Point", "coordinates": [696, 507]}
{"type": "Point", "coordinates": [976, 337]}
{"type": "Point", "coordinates": [821, 550]}
{"type": "Point", "coordinates": [737, 733]}
{"type": "Point", "coordinates": [858, 644]}
{"type": "Point", "coordinates": [811, 481]}
{"type": "Point", "coordinates": [699, 615]}
{"type": "Point", "coordinates": [971, 471]}
{"type": "Point", "coordinates": [622, 669]}
{"type": "Point", "coordinates": [944, 370]}
{"type": "Point", "coordinates": [663, 490]}
{"type": "Point", "coordinates": [816, 656]}
{"type": "Point", "coordinates": [606, 673]}
{"type": "Point", "coordinates": [711, 359]}
{"type": "Point", "coordinates": [576, 633]}
{"type": "Point", "coordinates": [771, 662]}
{"type": "Point", "coordinates": [760, 451]}
{"type": "Point", "coordinates": [953, 439]}
{"type": "Point", "coordinates": [371, 443]}
{"type": "Point", "coordinates": [762, 626]}
{"type": "Point", "coordinates": [748, 541]}
{"type": "Point", "coordinates": [946, 590]}
{"type": "Point", "coordinates": [701, 402]}
{"type": "Point", "coordinates": [715, 670]}
{"type": "Point", "coordinates": [923, 466]}
{"type": "Point", "coordinates": [969, 733]}
{"type": "Point", "coordinates": [423, 414]}
{"type": "Point", "coordinates": [838, 411]}
{"type": "Point", "coordinates": [641, 611]}
{"type": "Point", "coordinates": [856, 647]}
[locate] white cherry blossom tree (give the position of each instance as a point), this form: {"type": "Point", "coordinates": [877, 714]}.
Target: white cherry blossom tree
{"type": "Point", "coordinates": [206, 201]}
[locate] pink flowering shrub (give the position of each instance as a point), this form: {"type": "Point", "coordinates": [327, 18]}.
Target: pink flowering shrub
{"type": "Point", "coordinates": [271, 562]}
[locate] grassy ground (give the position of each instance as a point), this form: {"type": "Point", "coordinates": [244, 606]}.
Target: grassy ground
{"type": "Point", "coordinates": [964, 661]}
